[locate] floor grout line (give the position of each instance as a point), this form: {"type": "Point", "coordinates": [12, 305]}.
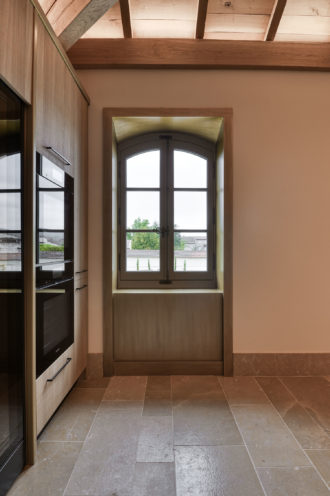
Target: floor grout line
{"type": "Point", "coordinates": [174, 454]}
{"type": "Point", "coordinates": [245, 445]}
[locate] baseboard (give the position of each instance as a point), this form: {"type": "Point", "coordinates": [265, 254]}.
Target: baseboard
{"type": "Point", "coordinates": [168, 368]}
{"type": "Point", "coordinates": [285, 364]}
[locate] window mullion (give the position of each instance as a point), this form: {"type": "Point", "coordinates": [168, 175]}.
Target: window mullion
{"type": "Point", "coordinates": [163, 210]}
{"type": "Point", "coordinates": [170, 213]}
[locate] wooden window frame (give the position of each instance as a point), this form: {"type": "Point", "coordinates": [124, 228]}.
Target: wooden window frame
{"type": "Point", "coordinates": [167, 278]}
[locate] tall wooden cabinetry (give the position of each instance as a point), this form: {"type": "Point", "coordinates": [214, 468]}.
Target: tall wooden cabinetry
{"type": "Point", "coordinates": [61, 135]}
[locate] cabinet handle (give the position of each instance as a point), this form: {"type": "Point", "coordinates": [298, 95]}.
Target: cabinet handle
{"type": "Point", "coordinates": [82, 287]}
{"type": "Point", "coordinates": [60, 156]}
{"type": "Point", "coordinates": [68, 360]}
{"type": "Point", "coordinates": [81, 271]}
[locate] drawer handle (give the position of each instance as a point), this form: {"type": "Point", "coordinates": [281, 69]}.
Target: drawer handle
{"type": "Point", "coordinates": [81, 271]}
{"type": "Point", "coordinates": [60, 156]}
{"type": "Point", "coordinates": [82, 287]}
{"type": "Point", "coordinates": [68, 360]}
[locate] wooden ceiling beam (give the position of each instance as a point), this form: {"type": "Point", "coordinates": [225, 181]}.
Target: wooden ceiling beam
{"type": "Point", "coordinates": [86, 18]}
{"type": "Point", "coordinates": [198, 54]}
{"type": "Point", "coordinates": [201, 19]}
{"type": "Point", "coordinates": [125, 18]}
{"type": "Point", "coordinates": [275, 20]}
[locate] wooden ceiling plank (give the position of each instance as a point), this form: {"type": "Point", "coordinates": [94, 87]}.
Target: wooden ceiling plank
{"type": "Point", "coordinates": [88, 16]}
{"type": "Point", "coordinates": [125, 18]}
{"type": "Point", "coordinates": [63, 12]}
{"type": "Point", "coordinates": [201, 19]}
{"type": "Point", "coordinates": [194, 54]}
{"type": "Point", "coordinates": [275, 19]}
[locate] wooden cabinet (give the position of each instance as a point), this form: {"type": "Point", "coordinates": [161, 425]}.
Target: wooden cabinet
{"type": "Point", "coordinates": [81, 192]}
{"type": "Point", "coordinates": [56, 100]}
{"type": "Point", "coordinates": [16, 45]}
{"type": "Point", "coordinates": [80, 324]}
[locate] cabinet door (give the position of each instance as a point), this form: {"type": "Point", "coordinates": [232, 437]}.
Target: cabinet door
{"type": "Point", "coordinates": [16, 43]}
{"type": "Point", "coordinates": [81, 191]}
{"type": "Point", "coordinates": [55, 102]}
{"type": "Point", "coordinates": [80, 325]}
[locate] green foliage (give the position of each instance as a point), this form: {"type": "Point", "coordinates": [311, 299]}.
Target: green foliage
{"type": "Point", "coordinates": [150, 240]}
{"type": "Point", "coordinates": [47, 247]}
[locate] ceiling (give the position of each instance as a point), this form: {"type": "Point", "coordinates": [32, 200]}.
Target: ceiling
{"type": "Point", "coordinates": [250, 20]}
{"type": "Point", "coordinates": [205, 127]}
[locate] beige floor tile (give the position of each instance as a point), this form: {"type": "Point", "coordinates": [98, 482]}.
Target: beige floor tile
{"type": "Point", "coordinates": [75, 416]}
{"type": "Point", "coordinates": [242, 390]}
{"type": "Point", "coordinates": [203, 422]}
{"type": "Point", "coordinates": [126, 388]}
{"type": "Point", "coordinates": [49, 476]}
{"type": "Point", "coordinates": [158, 397]}
{"type": "Point", "coordinates": [215, 471]}
{"type": "Point", "coordinates": [321, 460]}
{"type": "Point", "coordinates": [106, 463]}
{"type": "Point", "coordinates": [186, 387]}
{"type": "Point", "coordinates": [101, 383]}
{"type": "Point", "coordinates": [292, 482]}
{"type": "Point", "coordinates": [154, 479]}
{"type": "Point", "coordinates": [123, 406]}
{"type": "Point", "coordinates": [313, 393]}
{"type": "Point", "coordinates": [156, 440]}
{"type": "Point", "coordinates": [269, 441]}
{"type": "Point", "coordinates": [305, 429]}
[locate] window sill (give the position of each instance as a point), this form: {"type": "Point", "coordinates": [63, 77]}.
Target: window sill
{"type": "Point", "coordinates": [166, 291]}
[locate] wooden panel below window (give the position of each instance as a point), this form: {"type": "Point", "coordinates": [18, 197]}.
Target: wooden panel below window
{"type": "Point", "coordinates": [168, 327]}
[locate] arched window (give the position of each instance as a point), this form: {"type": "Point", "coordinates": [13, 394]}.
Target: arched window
{"type": "Point", "coordinates": [166, 212]}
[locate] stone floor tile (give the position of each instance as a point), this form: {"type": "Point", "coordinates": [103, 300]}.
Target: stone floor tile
{"type": "Point", "coordinates": [106, 462]}
{"type": "Point", "coordinates": [158, 397]}
{"type": "Point", "coordinates": [269, 441]}
{"type": "Point", "coordinates": [156, 440]}
{"type": "Point", "coordinates": [126, 388]}
{"type": "Point", "coordinates": [298, 481]}
{"type": "Point", "coordinates": [313, 393]}
{"type": "Point", "coordinates": [242, 390]}
{"type": "Point", "coordinates": [154, 479]}
{"type": "Point", "coordinates": [203, 422]}
{"type": "Point", "coordinates": [186, 387]}
{"type": "Point", "coordinates": [215, 471]}
{"type": "Point", "coordinates": [49, 476]}
{"type": "Point", "coordinates": [305, 429]}
{"type": "Point", "coordinates": [158, 383]}
{"type": "Point", "coordinates": [321, 460]}
{"type": "Point", "coordinates": [74, 417]}
{"type": "Point", "coordinates": [102, 383]}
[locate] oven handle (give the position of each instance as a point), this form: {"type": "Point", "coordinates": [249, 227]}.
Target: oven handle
{"type": "Point", "coordinates": [68, 360]}
{"type": "Point", "coordinates": [82, 287]}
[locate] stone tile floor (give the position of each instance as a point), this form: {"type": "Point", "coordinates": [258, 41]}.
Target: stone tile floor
{"type": "Point", "coordinates": [186, 436]}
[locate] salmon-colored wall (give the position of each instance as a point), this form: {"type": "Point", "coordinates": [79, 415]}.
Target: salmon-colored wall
{"type": "Point", "coordinates": [281, 195]}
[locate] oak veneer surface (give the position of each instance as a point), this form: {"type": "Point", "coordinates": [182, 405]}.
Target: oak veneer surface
{"type": "Point", "coordinates": [57, 104]}
{"type": "Point", "coordinates": [167, 327]}
{"type": "Point", "coordinates": [16, 45]}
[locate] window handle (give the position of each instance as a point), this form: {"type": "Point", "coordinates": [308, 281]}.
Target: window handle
{"type": "Point", "coordinates": [162, 230]}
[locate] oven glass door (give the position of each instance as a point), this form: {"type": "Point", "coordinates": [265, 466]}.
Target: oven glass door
{"type": "Point", "coordinates": [54, 223]}
{"type": "Point", "coordinates": [55, 332]}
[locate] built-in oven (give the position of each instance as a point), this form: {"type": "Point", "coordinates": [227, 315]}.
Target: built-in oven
{"type": "Point", "coordinates": [54, 322]}
{"type": "Point", "coordinates": [54, 261]}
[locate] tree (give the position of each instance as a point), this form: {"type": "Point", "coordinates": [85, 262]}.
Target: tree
{"type": "Point", "coordinates": [150, 240]}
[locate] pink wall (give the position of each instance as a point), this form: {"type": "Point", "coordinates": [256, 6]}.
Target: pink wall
{"type": "Point", "coordinates": [281, 195]}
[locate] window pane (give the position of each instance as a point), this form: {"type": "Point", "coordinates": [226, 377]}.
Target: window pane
{"type": "Point", "coordinates": [190, 171]}
{"type": "Point", "coordinates": [142, 209]}
{"type": "Point", "coordinates": [10, 171]}
{"type": "Point", "coordinates": [51, 210]}
{"type": "Point", "coordinates": [143, 170]}
{"type": "Point", "coordinates": [10, 211]}
{"type": "Point", "coordinates": [51, 247]}
{"type": "Point", "coordinates": [190, 252]}
{"type": "Point", "coordinates": [190, 210]}
{"type": "Point", "coordinates": [10, 252]}
{"type": "Point", "coordinates": [142, 252]}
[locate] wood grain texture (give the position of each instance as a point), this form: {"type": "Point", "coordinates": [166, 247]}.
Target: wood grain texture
{"type": "Point", "coordinates": [88, 16]}
{"type": "Point", "coordinates": [80, 325]}
{"type": "Point", "coordinates": [275, 19]}
{"type": "Point", "coordinates": [167, 327]}
{"type": "Point", "coordinates": [125, 18]}
{"type": "Point", "coordinates": [201, 18]}
{"type": "Point", "coordinates": [168, 368]}
{"type": "Point", "coordinates": [257, 7]}
{"type": "Point", "coordinates": [16, 46]}
{"type": "Point", "coordinates": [63, 12]}
{"type": "Point", "coordinates": [198, 54]}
